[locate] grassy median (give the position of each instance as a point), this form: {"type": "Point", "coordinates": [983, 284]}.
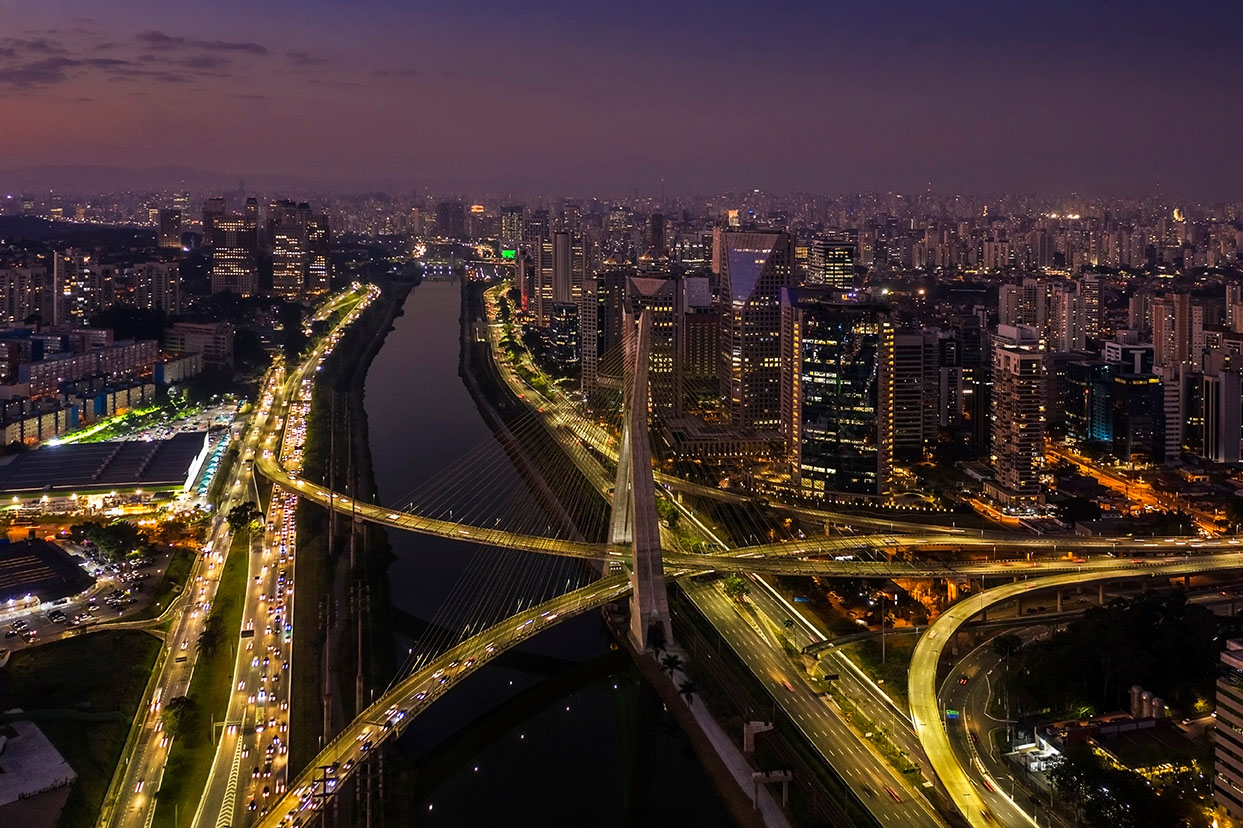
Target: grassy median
{"type": "Point", "coordinates": [193, 748]}
{"type": "Point", "coordinates": [78, 682]}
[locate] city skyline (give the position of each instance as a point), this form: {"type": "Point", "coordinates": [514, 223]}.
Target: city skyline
{"type": "Point", "coordinates": [561, 97]}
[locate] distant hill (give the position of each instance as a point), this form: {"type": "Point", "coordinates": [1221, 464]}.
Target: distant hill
{"type": "Point", "coordinates": [60, 233]}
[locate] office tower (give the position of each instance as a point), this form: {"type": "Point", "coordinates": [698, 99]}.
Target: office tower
{"type": "Point", "coordinates": [831, 263]}
{"type": "Point", "coordinates": [833, 418]}
{"type": "Point", "coordinates": [1222, 427]}
{"type": "Point", "coordinates": [157, 286]}
{"type": "Point", "coordinates": [181, 201]}
{"type": "Point", "coordinates": [754, 266]}
{"type": "Point", "coordinates": [910, 407]}
{"type": "Point", "coordinates": [563, 340]}
{"type": "Point", "coordinates": [451, 220]}
{"type": "Point", "coordinates": [233, 265]}
{"type": "Point", "coordinates": [213, 208]}
{"type": "Point", "coordinates": [950, 391]}
{"type": "Point", "coordinates": [513, 222]}
{"type": "Point", "coordinates": [289, 258]}
{"type": "Point", "coordinates": [250, 212]}
{"type": "Point", "coordinates": [170, 229]}
{"type": "Point", "coordinates": [1138, 418]}
{"type": "Point", "coordinates": [589, 336]}
{"type": "Point", "coordinates": [656, 239]}
{"type": "Point", "coordinates": [1087, 409]}
{"type": "Point", "coordinates": [1018, 415]}
{"type": "Point", "coordinates": [663, 298]}
{"type": "Point", "coordinates": [82, 287]}
{"type": "Point", "coordinates": [571, 219]}
{"type": "Point", "coordinates": [1177, 327]}
{"type": "Point", "coordinates": [319, 254]}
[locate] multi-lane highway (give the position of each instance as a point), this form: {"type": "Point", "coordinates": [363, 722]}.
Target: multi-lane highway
{"type": "Point", "coordinates": [887, 794]}
{"type": "Point", "coordinates": [130, 802]}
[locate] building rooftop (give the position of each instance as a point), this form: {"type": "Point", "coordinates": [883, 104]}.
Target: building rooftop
{"type": "Point", "coordinates": [41, 569]}
{"type": "Point", "coordinates": [109, 465]}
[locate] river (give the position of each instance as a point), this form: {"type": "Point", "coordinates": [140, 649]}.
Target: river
{"type": "Point", "coordinates": [586, 743]}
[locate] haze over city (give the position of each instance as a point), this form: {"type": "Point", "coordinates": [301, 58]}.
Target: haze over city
{"type": "Point", "coordinates": [573, 97]}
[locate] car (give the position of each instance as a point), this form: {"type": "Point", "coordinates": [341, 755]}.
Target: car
{"type": "Point", "coordinates": [897, 797]}
{"type": "Point", "coordinates": [963, 679]}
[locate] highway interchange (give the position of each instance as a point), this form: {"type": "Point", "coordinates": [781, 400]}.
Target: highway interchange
{"type": "Point", "coordinates": [233, 788]}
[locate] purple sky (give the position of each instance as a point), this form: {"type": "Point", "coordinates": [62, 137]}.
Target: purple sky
{"type": "Point", "coordinates": [609, 97]}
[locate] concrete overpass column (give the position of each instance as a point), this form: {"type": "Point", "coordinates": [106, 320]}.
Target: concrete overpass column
{"type": "Point", "coordinates": [951, 590]}
{"type": "Point", "coordinates": [1059, 599]}
{"type": "Point", "coordinates": [1100, 593]}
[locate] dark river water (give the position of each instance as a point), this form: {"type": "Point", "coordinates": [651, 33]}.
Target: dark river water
{"type": "Point", "coordinates": [544, 739]}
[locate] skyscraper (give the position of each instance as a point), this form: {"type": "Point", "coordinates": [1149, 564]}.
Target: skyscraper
{"type": "Point", "coordinates": [831, 263]}
{"type": "Point", "coordinates": [754, 266]}
{"type": "Point", "coordinates": [451, 220]}
{"type": "Point", "coordinates": [837, 435]}
{"type": "Point", "coordinates": [233, 265]}
{"type": "Point", "coordinates": [170, 229]}
{"type": "Point", "coordinates": [1018, 416]}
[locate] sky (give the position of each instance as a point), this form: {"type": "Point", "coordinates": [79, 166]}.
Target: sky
{"type": "Point", "coordinates": [1124, 98]}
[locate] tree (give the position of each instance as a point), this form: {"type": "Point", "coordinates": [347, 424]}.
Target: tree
{"type": "Point", "coordinates": [688, 690]}
{"type": "Point", "coordinates": [179, 712]}
{"type": "Point", "coordinates": [668, 513]}
{"type": "Point", "coordinates": [671, 664]}
{"type": "Point", "coordinates": [210, 637]}
{"type": "Point", "coordinates": [656, 637]}
{"type": "Point", "coordinates": [115, 540]}
{"type": "Point", "coordinates": [736, 587]}
{"type": "Point", "coordinates": [243, 515]}
{"type": "Point", "coordinates": [1075, 509]}
{"type": "Point", "coordinates": [1234, 512]}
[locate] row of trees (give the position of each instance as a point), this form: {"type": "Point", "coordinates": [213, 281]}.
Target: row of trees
{"type": "Point", "coordinates": [115, 541]}
{"type": "Point", "coordinates": [1160, 642]}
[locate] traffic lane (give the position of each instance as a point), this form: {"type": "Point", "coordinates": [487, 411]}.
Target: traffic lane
{"type": "Point", "coordinates": [853, 759]}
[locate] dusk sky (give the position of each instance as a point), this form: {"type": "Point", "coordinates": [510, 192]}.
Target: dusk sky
{"type": "Point", "coordinates": [1106, 99]}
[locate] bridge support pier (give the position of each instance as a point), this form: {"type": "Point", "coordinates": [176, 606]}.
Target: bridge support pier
{"type": "Point", "coordinates": [1100, 593]}
{"type": "Point", "coordinates": [749, 731]}
{"type": "Point", "coordinates": [1059, 600]}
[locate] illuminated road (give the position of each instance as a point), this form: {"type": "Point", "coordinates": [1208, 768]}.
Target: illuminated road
{"type": "Point", "coordinates": [251, 761]}
{"type": "Point", "coordinates": [867, 773]}
{"type": "Point", "coordinates": [926, 709]}
{"type": "Point", "coordinates": [130, 801]}
{"type": "Point", "coordinates": [389, 714]}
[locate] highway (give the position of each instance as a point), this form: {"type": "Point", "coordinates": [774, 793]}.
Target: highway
{"type": "Point", "coordinates": [130, 802]}
{"type": "Point", "coordinates": [926, 711]}
{"type": "Point", "coordinates": [885, 793]}
{"type": "Point", "coordinates": [250, 766]}
{"type": "Point", "coordinates": [131, 797]}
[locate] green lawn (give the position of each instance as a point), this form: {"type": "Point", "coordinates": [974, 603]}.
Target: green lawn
{"type": "Point", "coordinates": [891, 674]}
{"type": "Point", "coordinates": [101, 673]}
{"type": "Point", "coordinates": [192, 751]}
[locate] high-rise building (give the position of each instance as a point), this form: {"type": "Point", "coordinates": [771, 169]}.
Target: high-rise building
{"type": "Point", "coordinates": [831, 263]}
{"type": "Point", "coordinates": [289, 258]}
{"type": "Point", "coordinates": [1228, 733]}
{"type": "Point", "coordinates": [82, 287]}
{"type": "Point", "coordinates": [663, 299]}
{"type": "Point", "coordinates": [233, 265]}
{"type": "Point", "coordinates": [1138, 418]}
{"type": "Point", "coordinates": [170, 229]}
{"type": "Point", "coordinates": [451, 220]}
{"type": "Point", "coordinates": [1018, 415]}
{"type": "Point", "coordinates": [319, 254]}
{"type": "Point", "coordinates": [754, 267]}
{"type": "Point", "coordinates": [26, 292]}
{"type": "Point", "coordinates": [913, 415]}
{"type": "Point", "coordinates": [213, 208]}
{"type": "Point", "coordinates": [563, 337]}
{"type": "Point", "coordinates": [157, 286]}
{"type": "Point", "coordinates": [1223, 426]}
{"type": "Point", "coordinates": [832, 356]}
